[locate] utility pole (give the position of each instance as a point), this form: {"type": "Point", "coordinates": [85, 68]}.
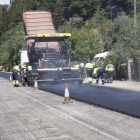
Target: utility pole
{"type": "Point", "coordinates": [111, 12]}
{"type": "Point", "coordinates": [135, 19]}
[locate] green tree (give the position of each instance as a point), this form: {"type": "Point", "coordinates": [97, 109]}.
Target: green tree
{"type": "Point", "coordinates": [13, 42]}
{"type": "Point", "coordinates": [58, 15]}
{"type": "Point", "coordinates": [84, 43]}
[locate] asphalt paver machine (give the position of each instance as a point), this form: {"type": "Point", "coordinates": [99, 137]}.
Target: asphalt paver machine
{"type": "Point", "coordinates": [46, 64]}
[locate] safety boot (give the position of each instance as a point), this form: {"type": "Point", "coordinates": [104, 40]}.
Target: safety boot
{"type": "Point", "coordinates": [97, 81]}
{"type": "Point", "coordinates": [90, 82]}
{"type": "Point", "coordinates": [102, 82]}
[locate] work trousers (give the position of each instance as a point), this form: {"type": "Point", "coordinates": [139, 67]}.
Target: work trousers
{"type": "Point", "coordinates": [15, 79]}
{"type": "Point", "coordinates": [100, 73]}
{"type": "Point", "coordinates": [82, 70]}
{"type": "Point", "coordinates": [89, 75]}
{"type": "Point", "coordinates": [110, 76]}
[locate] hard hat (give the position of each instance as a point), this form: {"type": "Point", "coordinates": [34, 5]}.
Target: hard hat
{"type": "Point", "coordinates": [82, 65]}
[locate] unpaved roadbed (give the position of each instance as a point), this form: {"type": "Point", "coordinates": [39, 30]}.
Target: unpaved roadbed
{"type": "Point", "coordinates": [39, 115]}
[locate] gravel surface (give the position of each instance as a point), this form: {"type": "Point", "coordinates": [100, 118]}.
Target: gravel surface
{"type": "Point", "coordinates": [27, 114]}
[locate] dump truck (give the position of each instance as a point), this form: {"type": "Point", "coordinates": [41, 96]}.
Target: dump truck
{"type": "Point", "coordinates": [47, 58]}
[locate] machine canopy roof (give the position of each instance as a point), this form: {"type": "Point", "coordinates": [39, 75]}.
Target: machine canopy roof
{"type": "Point", "coordinates": [49, 37]}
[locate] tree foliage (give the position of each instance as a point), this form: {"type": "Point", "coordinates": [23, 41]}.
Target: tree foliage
{"type": "Point", "coordinates": [12, 42]}
{"type": "Point", "coordinates": [89, 22]}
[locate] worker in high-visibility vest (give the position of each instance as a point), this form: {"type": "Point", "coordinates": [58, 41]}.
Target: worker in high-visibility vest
{"type": "Point", "coordinates": [98, 72]}
{"type": "Point", "coordinates": [89, 68]}
{"type": "Point", "coordinates": [109, 71]}
{"type": "Point", "coordinates": [76, 65]}
{"type": "Point", "coordinates": [82, 69]}
{"type": "Point", "coordinates": [16, 70]}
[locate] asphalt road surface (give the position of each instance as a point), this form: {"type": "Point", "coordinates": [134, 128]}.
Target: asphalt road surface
{"type": "Point", "coordinates": [26, 114]}
{"type": "Point", "coordinates": [125, 101]}
{"type": "Point", "coordinates": [122, 100]}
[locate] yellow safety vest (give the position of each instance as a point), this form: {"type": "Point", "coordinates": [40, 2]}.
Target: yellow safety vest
{"type": "Point", "coordinates": [110, 67]}
{"type": "Point", "coordinates": [16, 68]}
{"type": "Point", "coordinates": [76, 66]}
{"type": "Point", "coordinates": [95, 70]}
{"type": "Point", "coordinates": [89, 66]}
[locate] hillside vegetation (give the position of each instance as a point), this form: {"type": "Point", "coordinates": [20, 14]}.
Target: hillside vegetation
{"type": "Point", "coordinates": [96, 26]}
